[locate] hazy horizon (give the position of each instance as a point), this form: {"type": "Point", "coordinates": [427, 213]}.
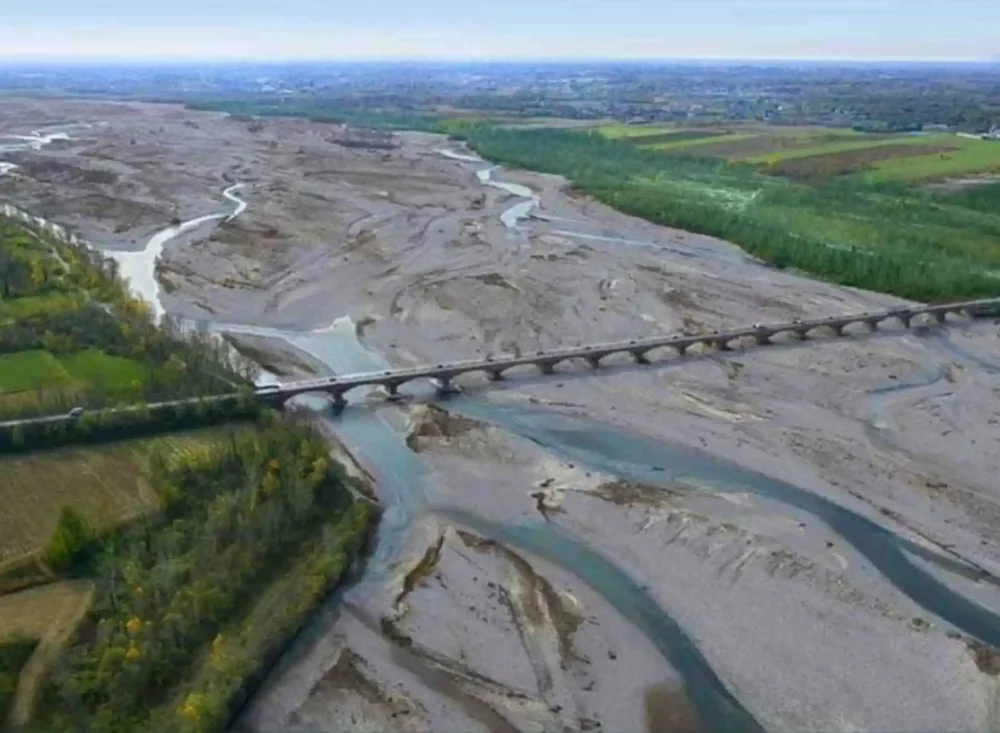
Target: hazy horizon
{"type": "Point", "coordinates": [66, 31]}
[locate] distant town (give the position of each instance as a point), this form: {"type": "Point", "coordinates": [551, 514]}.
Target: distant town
{"type": "Point", "coordinates": [873, 98]}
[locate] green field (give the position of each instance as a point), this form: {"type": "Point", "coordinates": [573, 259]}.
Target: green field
{"type": "Point", "coordinates": [160, 576]}
{"type": "Point", "coordinates": [970, 157]}
{"type": "Point", "coordinates": [828, 148]}
{"type": "Point", "coordinates": [113, 374]}
{"type": "Point", "coordinates": [39, 370]}
{"type": "Point", "coordinates": [34, 369]}
{"type": "Point", "coordinates": [822, 153]}
{"type": "Point", "coordinates": [693, 145]}
{"type": "Point", "coordinates": [618, 130]}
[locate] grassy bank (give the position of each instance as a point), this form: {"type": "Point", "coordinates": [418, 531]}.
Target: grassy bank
{"type": "Point", "coordinates": [191, 603]}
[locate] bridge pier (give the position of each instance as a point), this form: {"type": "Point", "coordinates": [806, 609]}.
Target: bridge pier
{"type": "Point", "coordinates": [547, 367]}
{"type": "Point", "coordinates": [445, 386]}
{"type": "Point", "coordinates": [941, 316]}
{"type": "Point", "coordinates": [393, 389]}
{"type": "Point", "coordinates": [763, 339]}
{"type": "Point", "coordinates": [594, 361]}
{"type": "Point", "coordinates": [872, 324]}
{"type": "Point", "coordinates": [801, 333]}
{"type": "Point", "coordinates": [495, 375]}
{"type": "Point", "coordinates": [339, 402]}
{"type": "Point", "coordinates": [640, 357]}
{"type": "Point", "coordinates": [722, 344]}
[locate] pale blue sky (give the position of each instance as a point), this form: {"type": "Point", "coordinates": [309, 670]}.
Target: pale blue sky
{"type": "Point", "coordinates": [823, 29]}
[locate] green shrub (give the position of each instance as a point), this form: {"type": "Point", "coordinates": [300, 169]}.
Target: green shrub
{"type": "Point", "coordinates": [72, 540]}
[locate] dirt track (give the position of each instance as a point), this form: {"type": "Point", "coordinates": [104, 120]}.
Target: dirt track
{"type": "Point", "coordinates": [463, 634]}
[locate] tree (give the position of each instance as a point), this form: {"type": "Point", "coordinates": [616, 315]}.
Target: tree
{"type": "Point", "coordinates": [70, 541]}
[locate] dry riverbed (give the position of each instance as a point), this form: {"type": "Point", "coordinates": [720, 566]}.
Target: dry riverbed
{"type": "Point", "coordinates": [719, 587]}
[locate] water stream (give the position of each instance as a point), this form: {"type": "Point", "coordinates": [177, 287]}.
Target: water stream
{"type": "Point", "coordinates": [932, 374]}
{"type": "Point", "coordinates": [526, 209]}
{"type": "Point", "coordinates": [512, 216]}
{"type": "Point", "coordinates": [377, 444]}
{"type": "Point", "coordinates": [715, 705]}
{"type": "Point", "coordinates": [643, 459]}
{"type": "Point", "coordinates": [401, 476]}
{"type": "Point", "coordinates": [35, 141]}
{"type": "Point", "coordinates": [139, 268]}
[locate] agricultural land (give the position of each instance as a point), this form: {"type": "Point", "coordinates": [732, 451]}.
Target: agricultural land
{"type": "Point", "coordinates": [95, 536]}
{"type": "Point", "coordinates": [817, 154]}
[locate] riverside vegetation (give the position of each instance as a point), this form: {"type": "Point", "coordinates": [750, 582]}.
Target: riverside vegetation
{"type": "Point", "coordinates": [240, 531]}
{"type": "Point", "coordinates": [891, 238]}
{"type": "Point", "coordinates": [71, 335]}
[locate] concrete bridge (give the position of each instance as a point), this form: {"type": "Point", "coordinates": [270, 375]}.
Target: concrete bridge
{"type": "Point", "coordinates": [640, 350]}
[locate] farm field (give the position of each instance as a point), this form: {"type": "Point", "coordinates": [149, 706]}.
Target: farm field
{"type": "Point", "coordinates": [970, 157]}
{"type": "Point", "coordinates": [817, 154]}
{"type": "Point", "coordinates": [33, 369]}
{"type": "Point", "coordinates": [106, 483]}
{"type": "Point", "coordinates": [37, 369]}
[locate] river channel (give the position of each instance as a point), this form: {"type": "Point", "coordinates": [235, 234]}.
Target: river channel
{"type": "Point", "coordinates": [377, 438]}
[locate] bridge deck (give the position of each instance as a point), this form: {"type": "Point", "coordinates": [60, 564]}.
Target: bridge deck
{"type": "Point", "coordinates": [638, 348]}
